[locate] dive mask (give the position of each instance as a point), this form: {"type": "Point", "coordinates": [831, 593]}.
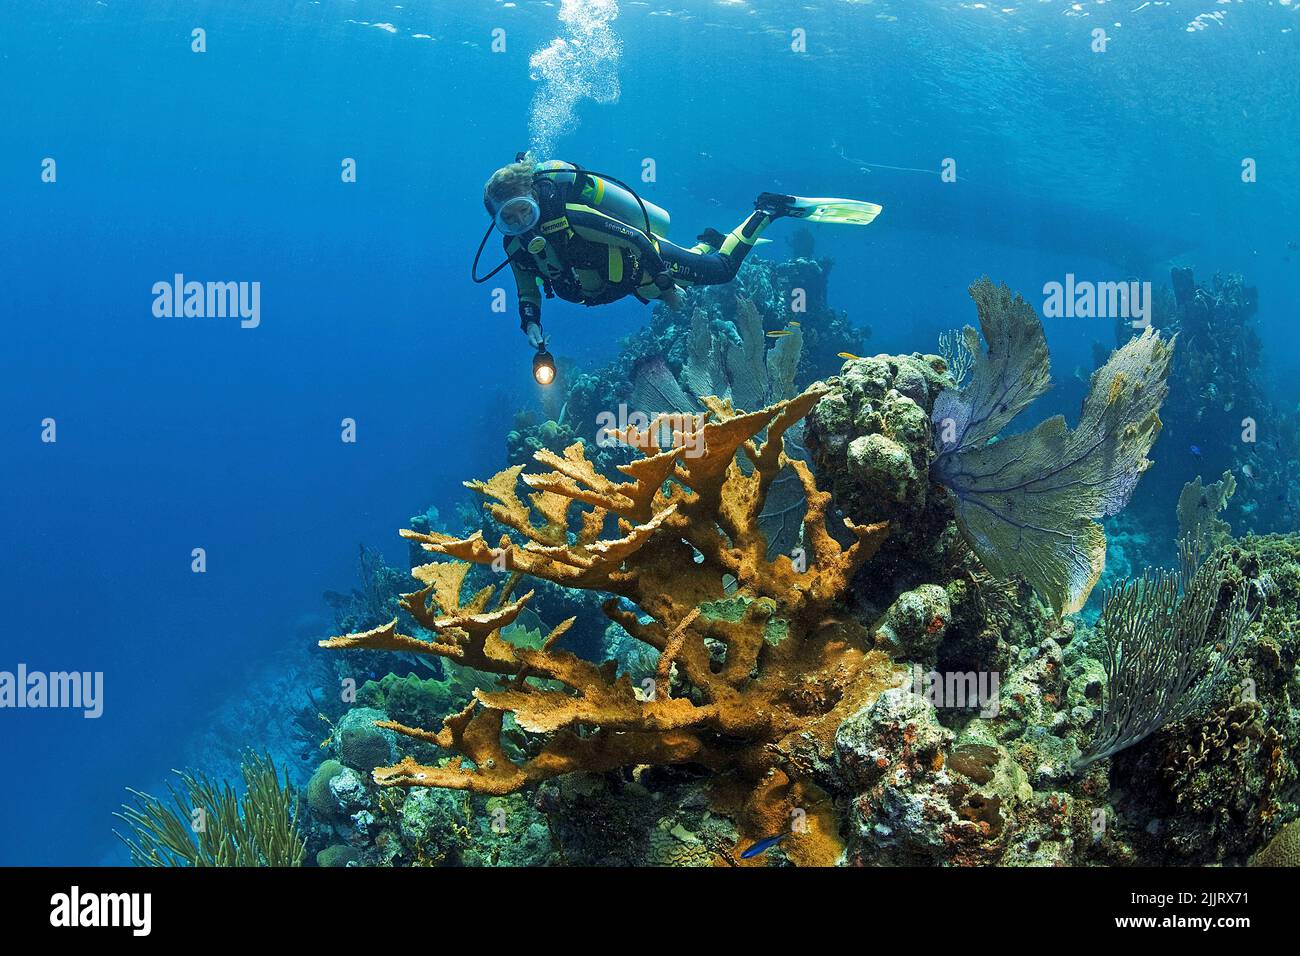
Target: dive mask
{"type": "Point", "coordinates": [517, 215]}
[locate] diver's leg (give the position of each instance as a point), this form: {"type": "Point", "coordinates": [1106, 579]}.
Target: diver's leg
{"type": "Point", "coordinates": [698, 267]}
{"type": "Point", "coordinates": [689, 267]}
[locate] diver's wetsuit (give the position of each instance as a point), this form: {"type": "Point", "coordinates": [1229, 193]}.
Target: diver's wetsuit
{"type": "Point", "coordinates": [588, 257]}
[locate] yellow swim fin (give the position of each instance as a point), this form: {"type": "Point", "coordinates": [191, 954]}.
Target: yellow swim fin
{"type": "Point", "coordinates": [853, 212]}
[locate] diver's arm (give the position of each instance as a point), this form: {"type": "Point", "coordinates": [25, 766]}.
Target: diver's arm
{"type": "Point", "coordinates": [530, 297]}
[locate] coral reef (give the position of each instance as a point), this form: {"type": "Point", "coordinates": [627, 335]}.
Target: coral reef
{"type": "Point", "coordinates": [776, 292]}
{"type": "Point", "coordinates": [916, 796]}
{"type": "Point", "coordinates": [1214, 788]}
{"type": "Point", "coordinates": [731, 362]}
{"type": "Point", "coordinates": [715, 344]}
{"type": "Point", "coordinates": [1198, 513]}
{"type": "Point", "coordinates": [654, 817]}
{"type": "Point", "coordinates": [1027, 504]}
{"type": "Point", "coordinates": [374, 600]}
{"type": "Point", "coordinates": [1219, 416]}
{"type": "Point", "coordinates": [1216, 374]}
{"type": "Point", "coordinates": [870, 441]}
{"type": "Point", "coordinates": [443, 827]}
{"type": "Point", "coordinates": [337, 855]}
{"type": "Point", "coordinates": [886, 690]}
{"type": "Point", "coordinates": [924, 782]}
{"type": "Point", "coordinates": [752, 688]}
{"type": "Point", "coordinates": [1052, 682]}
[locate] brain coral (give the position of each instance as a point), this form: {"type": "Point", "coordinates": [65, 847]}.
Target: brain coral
{"type": "Point", "coordinates": [1282, 850]}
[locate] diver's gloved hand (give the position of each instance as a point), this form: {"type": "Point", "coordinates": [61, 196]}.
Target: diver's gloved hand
{"type": "Point", "coordinates": [673, 297]}
{"type": "Point", "coordinates": [668, 290]}
{"type": "Point", "coordinates": [534, 333]}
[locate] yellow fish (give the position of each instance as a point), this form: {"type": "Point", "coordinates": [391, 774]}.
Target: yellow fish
{"type": "Point", "coordinates": [793, 322]}
{"type": "Point", "coordinates": [848, 355]}
{"type": "Point", "coordinates": [777, 335]}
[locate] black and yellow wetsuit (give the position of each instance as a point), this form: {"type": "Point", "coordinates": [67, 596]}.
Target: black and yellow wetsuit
{"type": "Point", "coordinates": [581, 255]}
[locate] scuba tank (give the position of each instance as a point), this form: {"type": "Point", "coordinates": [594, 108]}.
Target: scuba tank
{"type": "Point", "coordinates": [609, 197]}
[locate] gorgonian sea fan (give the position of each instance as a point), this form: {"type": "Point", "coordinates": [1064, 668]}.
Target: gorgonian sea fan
{"type": "Point", "coordinates": [1029, 503]}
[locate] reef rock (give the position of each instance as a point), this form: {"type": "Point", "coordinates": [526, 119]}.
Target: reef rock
{"type": "Point", "coordinates": [1213, 788]}
{"type": "Point", "coordinates": [871, 444]}
{"type": "Point", "coordinates": [916, 799]}
{"type": "Point", "coordinates": [914, 625]}
{"type": "Point", "coordinates": [871, 435]}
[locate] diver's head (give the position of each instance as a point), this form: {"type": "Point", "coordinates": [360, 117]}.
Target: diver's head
{"type": "Point", "coordinates": [510, 200]}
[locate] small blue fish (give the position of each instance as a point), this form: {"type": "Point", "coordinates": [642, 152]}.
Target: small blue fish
{"type": "Point", "coordinates": [1195, 450]}
{"type": "Point", "coordinates": [762, 846]}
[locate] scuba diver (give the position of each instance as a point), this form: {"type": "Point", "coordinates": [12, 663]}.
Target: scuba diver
{"type": "Point", "coordinates": [587, 237]}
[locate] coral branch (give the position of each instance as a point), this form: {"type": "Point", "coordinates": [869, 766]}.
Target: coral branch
{"type": "Point", "coordinates": [751, 672]}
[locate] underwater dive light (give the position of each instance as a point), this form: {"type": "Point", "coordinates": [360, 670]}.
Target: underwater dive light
{"type": "Point", "coordinates": [543, 366]}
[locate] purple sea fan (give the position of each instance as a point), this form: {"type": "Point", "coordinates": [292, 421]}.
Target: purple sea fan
{"type": "Point", "coordinates": [1029, 503]}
